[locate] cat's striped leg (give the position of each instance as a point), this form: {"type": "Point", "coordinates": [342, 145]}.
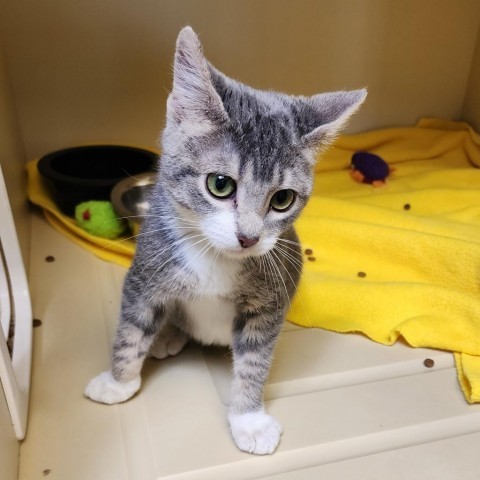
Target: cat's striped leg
{"type": "Point", "coordinates": [253, 342]}
{"type": "Point", "coordinates": [136, 331]}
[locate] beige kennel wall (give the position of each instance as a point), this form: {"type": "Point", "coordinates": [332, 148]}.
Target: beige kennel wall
{"type": "Point", "coordinates": [12, 160]}
{"type": "Point", "coordinates": [471, 110]}
{"type": "Point", "coordinates": [100, 71]}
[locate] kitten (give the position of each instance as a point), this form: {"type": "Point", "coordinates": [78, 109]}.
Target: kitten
{"type": "Point", "coordinates": [218, 259]}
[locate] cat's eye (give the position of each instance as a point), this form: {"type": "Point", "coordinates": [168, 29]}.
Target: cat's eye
{"type": "Point", "coordinates": [221, 186]}
{"type": "Point", "coordinates": [282, 200]}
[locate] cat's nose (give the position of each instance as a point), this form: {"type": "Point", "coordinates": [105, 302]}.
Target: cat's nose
{"type": "Point", "coordinates": [246, 242]}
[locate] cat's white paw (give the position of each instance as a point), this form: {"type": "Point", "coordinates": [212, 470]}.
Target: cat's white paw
{"type": "Point", "coordinates": [105, 389]}
{"type": "Point", "coordinates": [255, 432]}
{"type": "Point", "coordinates": [170, 342]}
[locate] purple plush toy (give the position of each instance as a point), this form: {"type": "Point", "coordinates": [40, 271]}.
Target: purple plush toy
{"type": "Point", "coordinates": [369, 168]}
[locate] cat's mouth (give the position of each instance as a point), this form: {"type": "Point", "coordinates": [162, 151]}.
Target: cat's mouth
{"type": "Point", "coordinates": [256, 250]}
{"type": "Point", "coordinates": [242, 253]}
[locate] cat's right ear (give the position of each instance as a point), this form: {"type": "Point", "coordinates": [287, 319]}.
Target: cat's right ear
{"type": "Point", "coordinates": [193, 99]}
{"type": "Point", "coordinates": [331, 112]}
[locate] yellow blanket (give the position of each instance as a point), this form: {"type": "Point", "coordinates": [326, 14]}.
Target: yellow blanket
{"type": "Point", "coordinates": [398, 261]}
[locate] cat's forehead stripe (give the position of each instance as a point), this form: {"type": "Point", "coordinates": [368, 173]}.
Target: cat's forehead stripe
{"type": "Point", "coordinates": [265, 144]}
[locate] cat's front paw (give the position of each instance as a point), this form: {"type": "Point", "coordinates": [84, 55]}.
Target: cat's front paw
{"type": "Point", "coordinates": [105, 389]}
{"type": "Point", "coordinates": [255, 432]}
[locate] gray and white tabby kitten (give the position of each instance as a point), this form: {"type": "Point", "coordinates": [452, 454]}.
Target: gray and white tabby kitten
{"type": "Point", "coordinates": [218, 258]}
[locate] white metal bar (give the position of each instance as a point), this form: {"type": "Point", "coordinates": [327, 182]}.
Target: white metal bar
{"type": "Point", "coordinates": [15, 371]}
{"type": "Point", "coordinates": [5, 310]}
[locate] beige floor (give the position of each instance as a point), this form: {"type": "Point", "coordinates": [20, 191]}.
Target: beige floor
{"type": "Point", "coordinates": [350, 408]}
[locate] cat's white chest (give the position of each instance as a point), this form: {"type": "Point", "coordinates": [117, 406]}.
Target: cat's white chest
{"type": "Point", "coordinates": [210, 314]}
{"type": "Point", "coordinates": [210, 320]}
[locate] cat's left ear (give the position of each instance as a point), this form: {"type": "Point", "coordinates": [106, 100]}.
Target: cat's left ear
{"type": "Point", "coordinates": [193, 99]}
{"type": "Point", "coordinates": [330, 112]}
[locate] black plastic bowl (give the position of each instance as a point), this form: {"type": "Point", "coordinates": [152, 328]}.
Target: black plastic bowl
{"type": "Point", "coordinates": [79, 174]}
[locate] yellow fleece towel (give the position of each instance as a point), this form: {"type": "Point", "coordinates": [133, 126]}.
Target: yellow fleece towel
{"type": "Point", "coordinates": [398, 261]}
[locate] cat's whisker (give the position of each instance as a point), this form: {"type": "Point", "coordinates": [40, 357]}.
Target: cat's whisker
{"type": "Point", "coordinates": [215, 258]}
{"type": "Point", "coordinates": [305, 311]}
{"type": "Point", "coordinates": [171, 247]}
{"type": "Point", "coordinates": [275, 283]}
{"type": "Point", "coordinates": [203, 239]}
{"type": "Point", "coordinates": [176, 277]}
{"type": "Point", "coordinates": [294, 261]}
{"type": "Point", "coordinates": [165, 229]}
{"type": "Point", "coordinates": [200, 253]}
{"type": "Point", "coordinates": [268, 275]}
{"type": "Point", "coordinates": [134, 216]}
{"type": "Point", "coordinates": [273, 276]}
{"type": "Point", "coordinates": [271, 264]}
{"type": "Point", "coordinates": [172, 257]}
{"type": "Point", "coordinates": [263, 269]}
{"type": "Point", "coordinates": [187, 221]}
{"type": "Point", "coordinates": [260, 264]}
{"type": "Point", "coordinates": [155, 255]}
{"type": "Point", "coordinates": [179, 278]}
{"type": "Point", "coordinates": [284, 240]}
{"type": "Point", "coordinates": [130, 175]}
{"type": "Point", "coordinates": [156, 271]}
{"type": "Point", "coordinates": [149, 232]}
{"type": "Point", "coordinates": [280, 275]}
{"type": "Point", "coordinates": [133, 236]}
{"type": "Point", "coordinates": [294, 250]}
{"type": "Point", "coordinates": [177, 217]}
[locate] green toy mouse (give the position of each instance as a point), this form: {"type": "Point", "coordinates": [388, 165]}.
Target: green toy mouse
{"type": "Point", "coordinates": [99, 218]}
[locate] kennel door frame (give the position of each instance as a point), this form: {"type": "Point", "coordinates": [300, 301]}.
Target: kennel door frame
{"type": "Point", "coordinates": [15, 370]}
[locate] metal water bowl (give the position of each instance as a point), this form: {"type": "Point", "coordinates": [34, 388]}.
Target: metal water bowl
{"type": "Point", "coordinates": [130, 198]}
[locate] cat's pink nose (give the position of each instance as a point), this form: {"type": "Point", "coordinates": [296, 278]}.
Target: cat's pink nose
{"type": "Point", "coordinates": [246, 242]}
